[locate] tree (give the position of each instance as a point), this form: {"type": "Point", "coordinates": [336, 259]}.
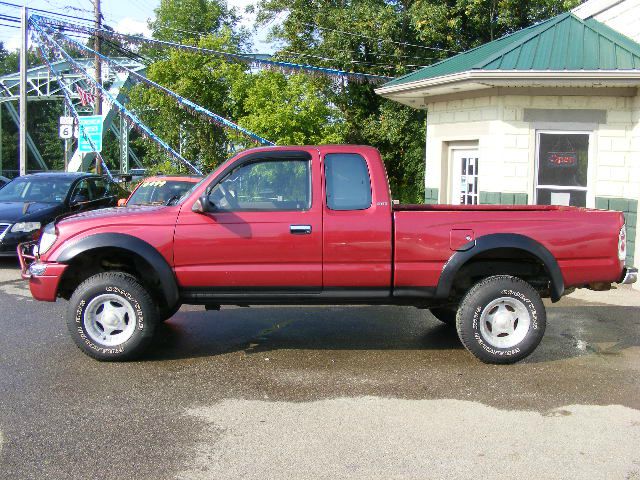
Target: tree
{"type": "Point", "coordinates": [392, 37]}
{"type": "Point", "coordinates": [463, 24]}
{"type": "Point", "coordinates": [185, 21]}
{"type": "Point", "coordinates": [287, 109]}
{"type": "Point", "coordinates": [372, 36]}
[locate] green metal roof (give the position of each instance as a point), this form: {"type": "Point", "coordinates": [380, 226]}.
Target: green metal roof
{"type": "Point", "coordinates": [565, 42]}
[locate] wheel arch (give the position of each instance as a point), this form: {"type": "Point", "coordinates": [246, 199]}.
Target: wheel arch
{"type": "Point", "coordinates": [497, 242]}
{"type": "Point", "coordinates": [98, 245]}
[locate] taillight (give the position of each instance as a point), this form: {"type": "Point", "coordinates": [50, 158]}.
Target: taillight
{"type": "Point", "coordinates": [622, 243]}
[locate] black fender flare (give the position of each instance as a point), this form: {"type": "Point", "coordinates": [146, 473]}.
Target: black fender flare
{"type": "Point", "coordinates": [132, 244]}
{"type": "Point", "coordinates": [496, 241]}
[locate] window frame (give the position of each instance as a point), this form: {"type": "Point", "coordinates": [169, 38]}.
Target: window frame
{"type": "Point", "coordinates": [77, 186]}
{"type": "Point", "coordinates": [326, 183]}
{"type": "Point", "coordinates": [589, 197]}
{"type": "Point", "coordinates": [290, 156]}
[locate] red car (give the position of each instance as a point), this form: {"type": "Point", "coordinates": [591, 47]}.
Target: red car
{"type": "Point", "coordinates": [317, 225]}
{"type": "Point", "coordinates": [160, 190]}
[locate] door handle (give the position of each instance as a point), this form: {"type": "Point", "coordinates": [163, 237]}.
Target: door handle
{"type": "Point", "coordinates": [300, 229]}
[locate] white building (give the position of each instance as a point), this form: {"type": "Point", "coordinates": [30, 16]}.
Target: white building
{"type": "Point", "coordinates": [546, 115]}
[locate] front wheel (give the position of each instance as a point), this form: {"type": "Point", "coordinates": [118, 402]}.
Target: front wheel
{"type": "Point", "coordinates": [111, 317]}
{"type": "Point", "coordinates": [501, 319]}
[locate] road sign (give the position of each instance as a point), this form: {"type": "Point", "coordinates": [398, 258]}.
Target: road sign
{"type": "Point", "coordinates": [66, 127]}
{"type": "Point", "coordinates": [66, 131]}
{"type": "Point", "coordinates": [92, 127]}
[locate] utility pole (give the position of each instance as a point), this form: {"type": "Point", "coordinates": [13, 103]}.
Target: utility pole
{"type": "Point", "coordinates": [124, 146]}
{"type": "Point", "coordinates": [23, 92]}
{"type": "Point", "coordinates": [67, 141]}
{"type": "Point", "coordinates": [98, 67]}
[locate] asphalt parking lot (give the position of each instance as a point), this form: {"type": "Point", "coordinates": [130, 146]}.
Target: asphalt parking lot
{"type": "Point", "coordinates": [342, 392]}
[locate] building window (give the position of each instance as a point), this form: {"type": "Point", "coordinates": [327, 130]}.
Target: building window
{"type": "Point", "coordinates": [562, 165]}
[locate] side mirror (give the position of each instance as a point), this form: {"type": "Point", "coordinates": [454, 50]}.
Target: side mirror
{"type": "Point", "coordinates": [202, 205]}
{"type": "Point", "coordinates": [122, 202]}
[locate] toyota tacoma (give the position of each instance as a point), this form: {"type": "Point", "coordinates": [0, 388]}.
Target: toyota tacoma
{"type": "Point", "coordinates": [313, 226]}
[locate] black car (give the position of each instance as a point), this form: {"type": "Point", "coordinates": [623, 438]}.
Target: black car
{"type": "Point", "coordinates": [29, 202]}
{"type": "Point", "coordinates": [3, 181]}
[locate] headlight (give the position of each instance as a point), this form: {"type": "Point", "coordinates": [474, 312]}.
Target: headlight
{"type": "Point", "coordinates": [25, 227]}
{"type": "Point", "coordinates": [49, 236]}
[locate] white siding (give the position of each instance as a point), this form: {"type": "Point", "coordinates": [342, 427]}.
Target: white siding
{"type": "Point", "coordinates": [623, 16]}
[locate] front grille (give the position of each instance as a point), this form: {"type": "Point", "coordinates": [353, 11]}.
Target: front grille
{"type": "Point", "coordinates": [4, 228]}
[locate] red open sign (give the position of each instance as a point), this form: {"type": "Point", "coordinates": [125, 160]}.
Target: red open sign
{"type": "Point", "coordinates": [562, 159]}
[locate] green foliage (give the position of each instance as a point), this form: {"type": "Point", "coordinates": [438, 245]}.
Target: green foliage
{"type": "Point", "coordinates": [391, 38]}
{"type": "Point", "coordinates": [207, 81]}
{"type": "Point", "coordinates": [371, 36]}
{"type": "Point", "coordinates": [284, 109]}
{"type": "Point", "coordinates": [463, 24]}
{"type": "Point", "coordinates": [383, 37]}
{"type": "Point", "coordinates": [288, 110]}
{"type": "Point", "coordinates": [185, 20]}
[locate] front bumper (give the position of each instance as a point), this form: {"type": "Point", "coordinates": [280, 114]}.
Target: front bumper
{"type": "Point", "coordinates": [44, 277]}
{"type": "Point", "coordinates": [629, 276]}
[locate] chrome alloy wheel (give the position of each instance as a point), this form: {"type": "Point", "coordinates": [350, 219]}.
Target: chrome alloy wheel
{"type": "Point", "coordinates": [505, 322]}
{"type": "Point", "coordinates": [109, 320]}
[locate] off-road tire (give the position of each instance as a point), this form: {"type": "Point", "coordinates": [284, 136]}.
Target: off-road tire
{"type": "Point", "coordinates": [132, 295]}
{"type": "Point", "coordinates": [472, 308]}
{"type": "Point", "coordinates": [446, 315]}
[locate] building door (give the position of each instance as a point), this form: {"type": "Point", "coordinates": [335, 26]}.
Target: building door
{"type": "Point", "coordinates": [464, 177]}
{"type": "Point", "coordinates": [562, 161]}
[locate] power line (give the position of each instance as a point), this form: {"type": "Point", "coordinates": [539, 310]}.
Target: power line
{"type": "Point", "coordinates": [184, 101]}
{"type": "Point", "coordinates": [378, 39]}
{"type": "Point", "coordinates": [46, 11]}
{"type": "Point", "coordinates": [74, 112]}
{"type": "Point", "coordinates": [393, 55]}
{"type": "Point", "coordinates": [328, 59]}
{"type": "Point", "coordinates": [114, 102]}
{"type": "Point", "coordinates": [8, 18]}
{"type": "Point", "coordinates": [247, 58]}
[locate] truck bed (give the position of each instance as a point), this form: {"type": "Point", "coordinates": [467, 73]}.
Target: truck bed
{"type": "Point", "coordinates": [448, 208]}
{"type": "Point", "coordinates": [582, 240]}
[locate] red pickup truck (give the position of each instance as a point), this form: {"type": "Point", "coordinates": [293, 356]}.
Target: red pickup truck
{"type": "Point", "coordinates": [317, 225]}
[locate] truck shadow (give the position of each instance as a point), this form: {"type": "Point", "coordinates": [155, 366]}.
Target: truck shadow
{"type": "Point", "coordinates": [571, 332]}
{"type": "Point", "coordinates": [258, 329]}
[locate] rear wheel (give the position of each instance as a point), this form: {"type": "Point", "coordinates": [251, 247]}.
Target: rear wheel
{"type": "Point", "coordinates": [501, 319]}
{"type": "Point", "coordinates": [445, 314]}
{"type": "Point", "coordinates": [111, 317]}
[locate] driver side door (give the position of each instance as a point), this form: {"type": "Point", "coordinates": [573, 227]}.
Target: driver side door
{"type": "Point", "coordinates": [264, 234]}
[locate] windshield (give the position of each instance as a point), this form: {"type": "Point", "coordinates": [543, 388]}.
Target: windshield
{"type": "Point", "coordinates": [159, 192]}
{"type": "Point", "coordinates": [32, 189]}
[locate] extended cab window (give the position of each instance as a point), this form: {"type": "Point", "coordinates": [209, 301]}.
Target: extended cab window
{"type": "Point", "coordinates": [348, 182]}
{"type": "Point", "coordinates": [268, 185]}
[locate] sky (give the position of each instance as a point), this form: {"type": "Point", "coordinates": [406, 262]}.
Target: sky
{"type": "Point", "coordinates": [126, 16]}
